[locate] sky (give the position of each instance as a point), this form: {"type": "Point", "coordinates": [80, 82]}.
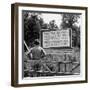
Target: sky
{"type": "Point", "coordinates": [49, 17]}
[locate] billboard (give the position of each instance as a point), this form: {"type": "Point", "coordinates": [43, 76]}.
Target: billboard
{"type": "Point", "coordinates": [56, 38]}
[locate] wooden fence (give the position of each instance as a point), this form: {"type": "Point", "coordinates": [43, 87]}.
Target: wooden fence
{"type": "Point", "coordinates": [45, 70]}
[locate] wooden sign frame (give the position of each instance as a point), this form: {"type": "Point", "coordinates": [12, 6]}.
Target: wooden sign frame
{"type": "Point", "coordinates": [59, 47]}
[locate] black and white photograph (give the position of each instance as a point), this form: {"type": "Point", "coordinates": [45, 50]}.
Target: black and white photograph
{"type": "Point", "coordinates": [50, 44]}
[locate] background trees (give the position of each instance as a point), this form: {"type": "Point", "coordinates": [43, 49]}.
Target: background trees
{"type": "Point", "coordinates": [72, 21]}
{"type": "Point", "coordinates": [33, 23]}
{"type": "Point", "coordinates": [32, 26]}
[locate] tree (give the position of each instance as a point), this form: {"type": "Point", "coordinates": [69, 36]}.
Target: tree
{"type": "Point", "coordinates": [68, 20]}
{"type": "Point", "coordinates": [71, 21]}
{"type": "Point", "coordinates": [32, 27]}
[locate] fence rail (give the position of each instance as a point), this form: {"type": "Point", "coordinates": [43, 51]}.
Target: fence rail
{"type": "Point", "coordinates": [68, 67]}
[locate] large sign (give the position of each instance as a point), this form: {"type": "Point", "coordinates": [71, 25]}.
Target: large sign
{"type": "Point", "coordinates": [56, 38]}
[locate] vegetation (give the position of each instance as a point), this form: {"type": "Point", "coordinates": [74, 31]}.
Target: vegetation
{"type": "Point", "coordinates": [71, 21]}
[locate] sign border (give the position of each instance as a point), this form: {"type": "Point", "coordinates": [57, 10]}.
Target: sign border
{"type": "Point", "coordinates": [70, 47]}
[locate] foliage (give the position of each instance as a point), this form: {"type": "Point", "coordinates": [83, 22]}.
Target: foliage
{"type": "Point", "coordinates": [32, 27]}
{"type": "Point", "coordinates": [71, 21]}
